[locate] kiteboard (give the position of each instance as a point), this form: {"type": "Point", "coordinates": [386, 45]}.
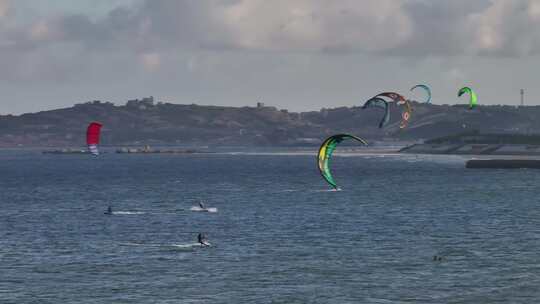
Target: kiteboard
{"type": "Point", "coordinates": [199, 209]}
{"type": "Point", "coordinates": [192, 245]}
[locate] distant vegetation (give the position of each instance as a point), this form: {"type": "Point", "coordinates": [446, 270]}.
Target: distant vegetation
{"type": "Point", "coordinates": [142, 122]}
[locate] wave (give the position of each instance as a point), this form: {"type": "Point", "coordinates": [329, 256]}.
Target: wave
{"type": "Point", "coordinates": [127, 212]}
{"type": "Point", "coordinates": [327, 190]}
{"type": "Point", "coordinates": [133, 244]}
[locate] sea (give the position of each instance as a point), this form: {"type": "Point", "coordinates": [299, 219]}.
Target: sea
{"type": "Point", "coordinates": [404, 229]}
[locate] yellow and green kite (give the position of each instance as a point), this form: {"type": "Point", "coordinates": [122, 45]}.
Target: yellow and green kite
{"type": "Point", "coordinates": [473, 100]}
{"type": "Point", "coordinates": [325, 154]}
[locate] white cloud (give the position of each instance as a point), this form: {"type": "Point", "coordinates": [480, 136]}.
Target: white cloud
{"type": "Point", "coordinates": [307, 51]}
{"type": "Point", "coordinates": [316, 25]}
{"type": "Point", "coordinates": [509, 28]}
{"type": "Point", "coordinates": [417, 28]}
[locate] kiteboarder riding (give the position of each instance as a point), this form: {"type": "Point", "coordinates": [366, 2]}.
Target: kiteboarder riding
{"type": "Point", "coordinates": [201, 238]}
{"type": "Point", "coordinates": [201, 205]}
{"type": "Point", "coordinates": [109, 210]}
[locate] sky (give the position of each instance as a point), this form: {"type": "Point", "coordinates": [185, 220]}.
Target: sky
{"type": "Point", "coordinates": [294, 54]}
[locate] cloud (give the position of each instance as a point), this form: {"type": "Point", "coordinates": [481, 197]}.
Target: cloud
{"type": "Point", "coordinates": [311, 50]}
{"type": "Point", "coordinates": [382, 27]}
{"type": "Point", "coordinates": [507, 28]}
{"type": "Point", "coordinates": [144, 31]}
{"type": "Point", "coordinates": [316, 25]}
{"type": "Point", "coordinates": [257, 25]}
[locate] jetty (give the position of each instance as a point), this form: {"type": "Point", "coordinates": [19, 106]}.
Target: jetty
{"type": "Point", "coordinates": [149, 150]}
{"type": "Point", "coordinates": [474, 143]}
{"type": "Point", "coordinates": [503, 164]}
{"type": "Point", "coordinates": [66, 151]}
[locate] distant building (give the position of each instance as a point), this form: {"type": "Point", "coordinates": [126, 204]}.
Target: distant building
{"type": "Point", "coordinates": [141, 104]}
{"type": "Point", "coordinates": [94, 103]}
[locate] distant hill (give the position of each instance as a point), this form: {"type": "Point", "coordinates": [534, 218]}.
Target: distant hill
{"type": "Point", "coordinates": [144, 122]}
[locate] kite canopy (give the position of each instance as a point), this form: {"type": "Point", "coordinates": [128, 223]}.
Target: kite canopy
{"type": "Point", "coordinates": [405, 115]}
{"type": "Point", "coordinates": [92, 137]}
{"type": "Point", "coordinates": [392, 95]}
{"type": "Point", "coordinates": [473, 100]}
{"type": "Point", "coordinates": [426, 88]}
{"type": "Point", "coordinates": [379, 103]}
{"type": "Point", "coordinates": [325, 154]}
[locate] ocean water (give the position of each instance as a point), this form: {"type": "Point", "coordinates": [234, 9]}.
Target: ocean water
{"type": "Point", "coordinates": [278, 235]}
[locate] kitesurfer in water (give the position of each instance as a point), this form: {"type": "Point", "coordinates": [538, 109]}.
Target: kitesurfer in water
{"type": "Point", "coordinates": [109, 210]}
{"type": "Point", "coordinates": [201, 238]}
{"type": "Point", "coordinates": [201, 205]}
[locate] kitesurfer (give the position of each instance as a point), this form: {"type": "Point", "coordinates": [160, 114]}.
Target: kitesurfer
{"type": "Point", "coordinates": [201, 205]}
{"type": "Point", "coordinates": [201, 238]}
{"type": "Point", "coordinates": [109, 210]}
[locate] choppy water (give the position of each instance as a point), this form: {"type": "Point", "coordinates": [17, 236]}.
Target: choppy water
{"type": "Point", "coordinates": [278, 236]}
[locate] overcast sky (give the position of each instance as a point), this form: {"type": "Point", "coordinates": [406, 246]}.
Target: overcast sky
{"type": "Point", "coordinates": [294, 54]}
